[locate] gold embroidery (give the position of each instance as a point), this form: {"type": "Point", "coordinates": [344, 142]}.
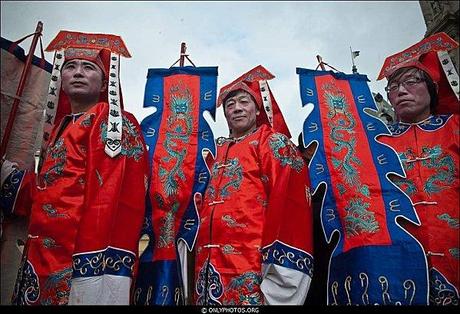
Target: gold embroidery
{"type": "Point", "coordinates": [231, 222]}
{"type": "Point", "coordinates": [229, 249]}
{"type": "Point", "coordinates": [334, 287]}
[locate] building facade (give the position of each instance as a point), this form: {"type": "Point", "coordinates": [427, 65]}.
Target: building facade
{"type": "Point", "coordinates": [442, 16]}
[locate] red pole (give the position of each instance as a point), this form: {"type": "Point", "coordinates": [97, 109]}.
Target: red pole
{"type": "Point", "coordinates": [182, 54]}
{"type": "Point", "coordinates": [22, 83]}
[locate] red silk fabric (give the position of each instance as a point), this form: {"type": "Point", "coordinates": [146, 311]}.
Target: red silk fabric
{"type": "Point", "coordinates": [258, 194]}
{"type": "Point", "coordinates": [431, 161]}
{"type": "Point", "coordinates": [364, 170]}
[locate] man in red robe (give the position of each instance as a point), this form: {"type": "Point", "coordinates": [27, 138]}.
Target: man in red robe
{"type": "Point", "coordinates": [423, 89]}
{"type": "Point", "coordinates": [86, 204]}
{"type": "Point", "coordinates": [254, 244]}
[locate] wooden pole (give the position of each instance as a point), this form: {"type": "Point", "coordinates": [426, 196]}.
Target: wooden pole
{"type": "Point", "coordinates": [22, 83]}
{"type": "Point", "coordinates": [183, 48]}
{"type": "Point", "coordinates": [321, 64]}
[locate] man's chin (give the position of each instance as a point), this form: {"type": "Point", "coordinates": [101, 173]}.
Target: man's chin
{"type": "Point", "coordinates": [83, 99]}
{"type": "Point", "coordinates": [237, 126]}
{"type": "Point", "coordinates": [410, 117]}
{"type": "Point", "coordinates": [405, 112]}
{"type": "Point", "coordinates": [242, 131]}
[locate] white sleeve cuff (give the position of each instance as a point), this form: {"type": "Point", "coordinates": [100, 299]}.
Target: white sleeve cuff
{"type": "Point", "coordinates": [182, 250]}
{"type": "Point", "coordinates": [284, 286]}
{"type": "Point", "coordinates": [100, 290]}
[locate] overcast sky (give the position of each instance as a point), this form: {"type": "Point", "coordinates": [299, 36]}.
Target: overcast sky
{"type": "Point", "coordinates": [235, 36]}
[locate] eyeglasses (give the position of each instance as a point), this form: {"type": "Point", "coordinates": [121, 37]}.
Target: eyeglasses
{"type": "Point", "coordinates": [407, 83]}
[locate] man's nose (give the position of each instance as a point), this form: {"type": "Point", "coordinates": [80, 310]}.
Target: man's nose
{"type": "Point", "coordinates": [78, 70]}
{"type": "Point", "coordinates": [402, 89]}
{"type": "Point", "coordinates": [238, 106]}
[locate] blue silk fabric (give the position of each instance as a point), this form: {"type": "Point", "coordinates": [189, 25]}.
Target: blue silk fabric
{"type": "Point", "coordinates": [375, 261]}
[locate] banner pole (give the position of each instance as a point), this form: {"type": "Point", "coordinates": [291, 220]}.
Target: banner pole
{"type": "Point", "coordinates": [22, 83]}
{"type": "Point", "coordinates": [321, 63]}
{"type": "Point", "coordinates": [183, 48]}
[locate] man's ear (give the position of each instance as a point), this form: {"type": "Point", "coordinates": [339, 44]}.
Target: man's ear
{"type": "Point", "coordinates": [257, 112]}
{"type": "Point", "coordinates": [104, 86]}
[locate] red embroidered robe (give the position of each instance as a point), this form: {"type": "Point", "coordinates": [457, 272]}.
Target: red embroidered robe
{"type": "Point", "coordinates": [255, 223]}
{"type": "Point", "coordinates": [429, 152]}
{"type": "Point", "coordinates": [86, 213]}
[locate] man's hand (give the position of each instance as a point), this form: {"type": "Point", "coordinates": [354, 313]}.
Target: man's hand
{"type": "Point", "coordinates": [7, 168]}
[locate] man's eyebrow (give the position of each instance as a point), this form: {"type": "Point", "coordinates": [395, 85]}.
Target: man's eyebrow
{"type": "Point", "coordinates": [410, 73]}
{"type": "Point", "coordinates": [405, 77]}
{"type": "Point", "coordinates": [70, 62]}
{"type": "Point", "coordinates": [83, 63]}
{"type": "Point", "coordinates": [88, 63]}
{"type": "Point", "coordinates": [234, 98]}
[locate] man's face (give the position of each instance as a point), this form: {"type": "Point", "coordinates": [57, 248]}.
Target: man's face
{"type": "Point", "coordinates": [411, 98]}
{"type": "Point", "coordinates": [241, 113]}
{"type": "Point", "coordinates": [82, 80]}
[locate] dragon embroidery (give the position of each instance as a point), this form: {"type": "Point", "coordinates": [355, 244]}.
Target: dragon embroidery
{"type": "Point", "coordinates": [179, 130]}
{"type": "Point", "coordinates": [452, 222]}
{"type": "Point", "coordinates": [57, 287]}
{"type": "Point", "coordinates": [234, 171]}
{"type": "Point", "coordinates": [433, 159]}
{"type": "Point", "coordinates": [58, 153]}
{"type": "Point", "coordinates": [178, 134]}
{"type": "Point", "coordinates": [359, 218]}
{"type": "Point", "coordinates": [342, 124]}
{"type": "Point", "coordinates": [211, 190]}
{"type": "Point", "coordinates": [444, 169]}
{"type": "Point", "coordinates": [166, 237]}
{"type": "Point", "coordinates": [52, 212]}
{"type": "Point", "coordinates": [244, 290]}
{"type": "Point", "coordinates": [285, 152]}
